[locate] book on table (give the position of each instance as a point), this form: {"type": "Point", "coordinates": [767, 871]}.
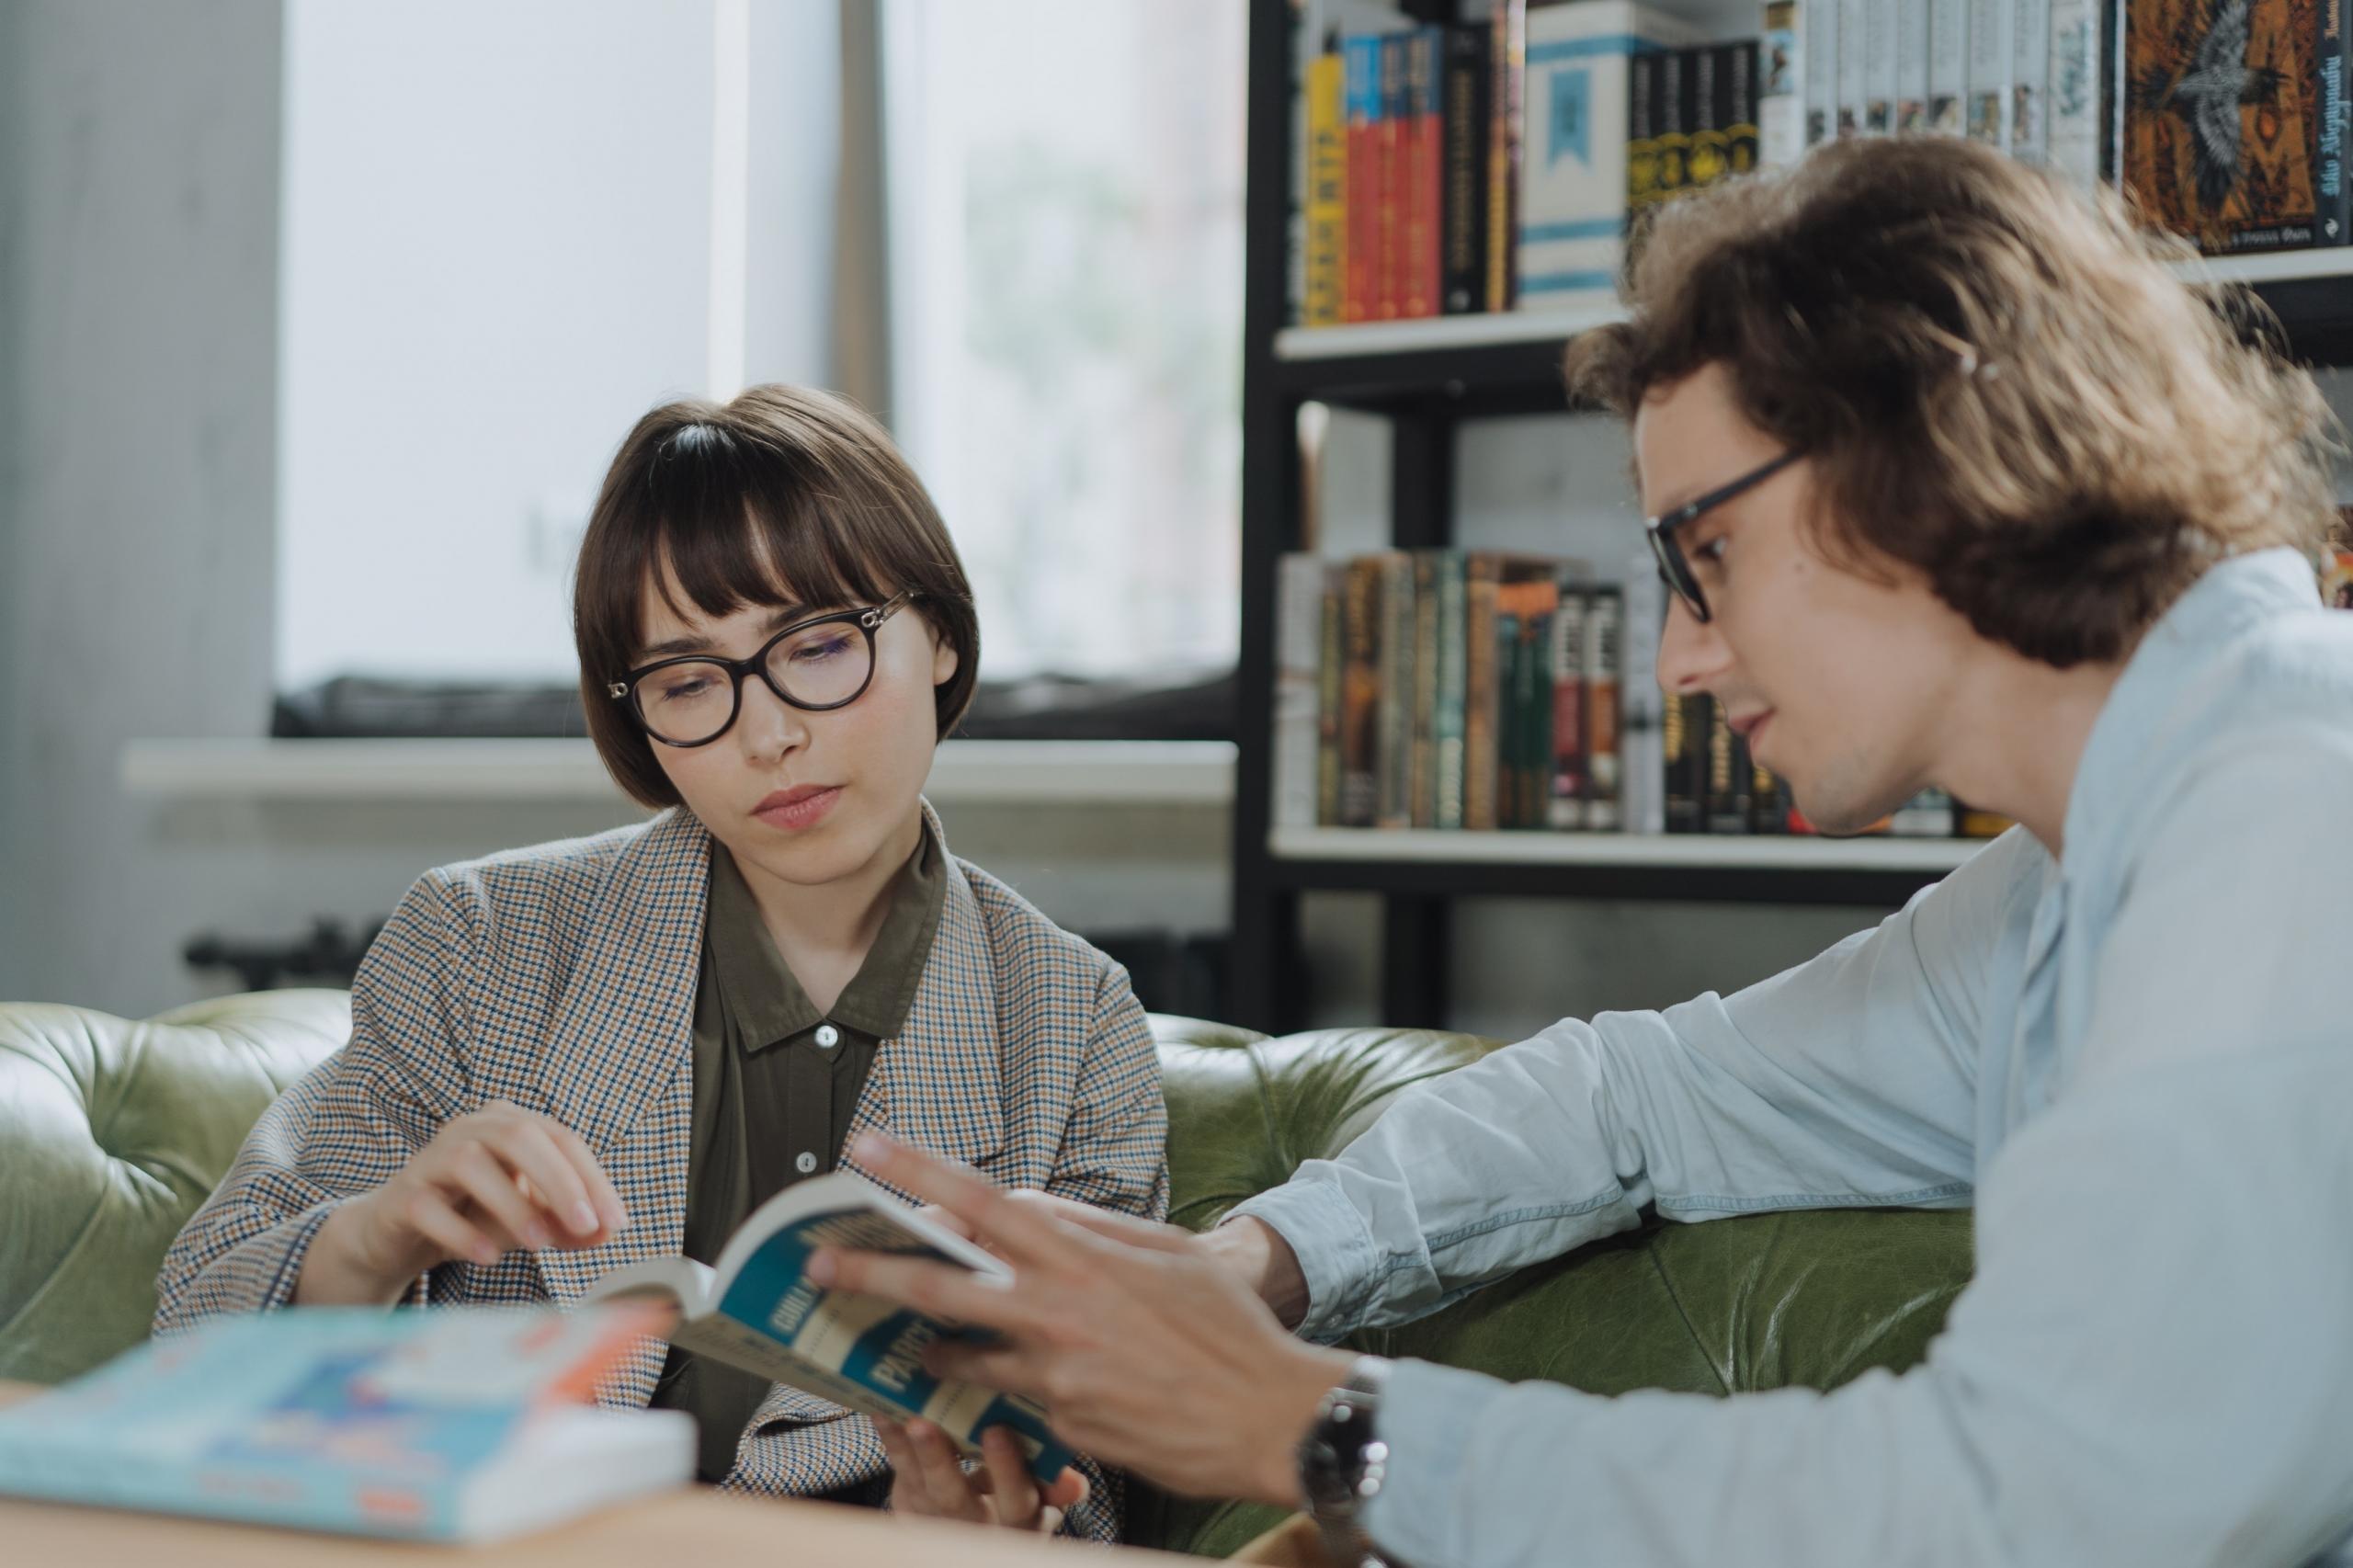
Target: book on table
{"type": "Point", "coordinates": [453, 1424]}
{"type": "Point", "coordinates": [756, 1308]}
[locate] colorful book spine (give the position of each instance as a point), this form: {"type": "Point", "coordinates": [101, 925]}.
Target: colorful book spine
{"type": "Point", "coordinates": [1948, 67]}
{"type": "Point", "coordinates": [2333, 219]}
{"type": "Point", "coordinates": [1421, 784]}
{"type": "Point", "coordinates": [1299, 635]}
{"type": "Point", "coordinates": [1361, 56]}
{"type": "Point", "coordinates": [1730, 778]}
{"type": "Point", "coordinates": [1675, 116]}
{"type": "Point", "coordinates": [1641, 134]}
{"type": "Point", "coordinates": [1452, 691]}
{"type": "Point", "coordinates": [1508, 56]}
{"type": "Point", "coordinates": [1425, 173]}
{"type": "Point", "coordinates": [1820, 20]}
{"type": "Point", "coordinates": [2072, 105]}
{"type": "Point", "coordinates": [1736, 69]}
{"type": "Point", "coordinates": [1880, 64]}
{"type": "Point", "coordinates": [1481, 583]}
{"type": "Point", "coordinates": [1911, 67]}
{"type": "Point", "coordinates": [1566, 809]}
{"type": "Point", "coordinates": [1389, 148]}
{"type": "Point", "coordinates": [1328, 703]}
{"type": "Point", "coordinates": [1684, 753]}
{"type": "Point", "coordinates": [1710, 158]}
{"type": "Point", "coordinates": [1463, 203]}
{"type": "Point", "coordinates": [1989, 71]}
{"type": "Point", "coordinates": [1780, 104]}
{"type": "Point", "coordinates": [1360, 695]}
{"type": "Point", "coordinates": [2030, 77]}
{"type": "Point", "coordinates": [1604, 629]}
{"type": "Point", "coordinates": [1540, 602]}
{"type": "Point", "coordinates": [1394, 735]}
{"type": "Point", "coordinates": [1509, 692]}
{"type": "Point", "coordinates": [1326, 286]}
{"type": "Point", "coordinates": [1854, 63]}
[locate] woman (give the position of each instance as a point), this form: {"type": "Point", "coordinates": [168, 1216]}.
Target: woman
{"type": "Point", "coordinates": [567, 1058]}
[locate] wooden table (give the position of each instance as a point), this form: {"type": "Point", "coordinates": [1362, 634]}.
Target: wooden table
{"type": "Point", "coordinates": [692, 1525]}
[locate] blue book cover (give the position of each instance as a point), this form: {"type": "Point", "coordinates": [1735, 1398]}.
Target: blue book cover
{"type": "Point", "coordinates": [756, 1309]}
{"type": "Point", "coordinates": [453, 1425]}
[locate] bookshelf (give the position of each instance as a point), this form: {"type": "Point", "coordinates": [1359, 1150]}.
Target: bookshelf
{"type": "Point", "coordinates": [1425, 377]}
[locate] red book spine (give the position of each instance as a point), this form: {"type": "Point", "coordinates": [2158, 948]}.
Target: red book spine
{"type": "Point", "coordinates": [1426, 176]}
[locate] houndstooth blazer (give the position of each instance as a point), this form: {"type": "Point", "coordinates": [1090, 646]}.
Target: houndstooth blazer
{"type": "Point", "coordinates": [562, 978]}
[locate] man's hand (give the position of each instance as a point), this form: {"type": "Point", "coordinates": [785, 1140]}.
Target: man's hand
{"type": "Point", "coordinates": [927, 1480]}
{"type": "Point", "coordinates": [1147, 1350]}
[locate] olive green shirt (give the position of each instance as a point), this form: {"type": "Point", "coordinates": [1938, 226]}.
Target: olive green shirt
{"type": "Point", "coordinates": [774, 1085]}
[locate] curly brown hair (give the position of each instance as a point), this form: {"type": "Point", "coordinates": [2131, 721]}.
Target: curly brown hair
{"type": "Point", "coordinates": [781, 491]}
{"type": "Point", "coordinates": [1996, 380]}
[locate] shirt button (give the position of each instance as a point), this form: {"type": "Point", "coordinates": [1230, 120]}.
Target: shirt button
{"type": "Point", "coordinates": [828, 1037]}
{"type": "Point", "coordinates": [805, 1163]}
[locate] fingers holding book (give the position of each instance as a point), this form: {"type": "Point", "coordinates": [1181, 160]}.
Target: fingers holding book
{"type": "Point", "coordinates": [929, 1479]}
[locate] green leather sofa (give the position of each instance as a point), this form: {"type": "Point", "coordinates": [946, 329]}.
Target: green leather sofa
{"type": "Point", "coordinates": [112, 1132]}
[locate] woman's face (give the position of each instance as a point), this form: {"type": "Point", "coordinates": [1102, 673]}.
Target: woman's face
{"type": "Point", "coordinates": [807, 798]}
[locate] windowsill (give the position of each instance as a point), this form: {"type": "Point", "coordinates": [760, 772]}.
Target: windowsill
{"type": "Point", "coordinates": [1157, 773]}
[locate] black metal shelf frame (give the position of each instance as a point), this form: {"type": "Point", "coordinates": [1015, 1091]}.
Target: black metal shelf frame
{"type": "Point", "coordinates": [1426, 392]}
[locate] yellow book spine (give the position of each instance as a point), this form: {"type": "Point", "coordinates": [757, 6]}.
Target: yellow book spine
{"type": "Point", "coordinates": [1327, 187]}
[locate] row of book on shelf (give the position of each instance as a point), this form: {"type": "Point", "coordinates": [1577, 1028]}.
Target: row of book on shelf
{"type": "Point", "coordinates": [1500, 164]}
{"type": "Point", "coordinates": [1483, 691]}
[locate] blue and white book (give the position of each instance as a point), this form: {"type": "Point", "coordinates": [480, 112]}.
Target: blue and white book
{"type": "Point", "coordinates": [756, 1308]}
{"type": "Point", "coordinates": [452, 1424]}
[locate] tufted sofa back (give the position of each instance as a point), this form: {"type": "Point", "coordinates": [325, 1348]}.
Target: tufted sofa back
{"type": "Point", "coordinates": [111, 1132]}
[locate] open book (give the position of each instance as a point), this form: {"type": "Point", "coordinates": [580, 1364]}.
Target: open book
{"type": "Point", "coordinates": [457, 1424]}
{"type": "Point", "coordinates": [756, 1309]}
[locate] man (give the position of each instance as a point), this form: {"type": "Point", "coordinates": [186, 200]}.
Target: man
{"type": "Point", "coordinates": [1956, 486]}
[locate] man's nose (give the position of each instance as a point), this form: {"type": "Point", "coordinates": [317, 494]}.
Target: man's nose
{"type": "Point", "coordinates": [1691, 653]}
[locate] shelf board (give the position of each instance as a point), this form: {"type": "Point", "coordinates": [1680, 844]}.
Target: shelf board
{"type": "Point", "coordinates": [1190, 773]}
{"type": "Point", "coordinates": [1510, 361]}
{"type": "Point", "coordinates": [1781, 869]}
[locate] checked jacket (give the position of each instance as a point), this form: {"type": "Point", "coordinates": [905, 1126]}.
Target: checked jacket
{"type": "Point", "coordinates": [562, 978]}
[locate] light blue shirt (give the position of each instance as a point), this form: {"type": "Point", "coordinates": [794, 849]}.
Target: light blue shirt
{"type": "Point", "coordinates": [2136, 1064]}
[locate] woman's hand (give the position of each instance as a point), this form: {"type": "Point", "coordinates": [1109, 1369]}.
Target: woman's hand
{"type": "Point", "coordinates": [498, 1180]}
{"type": "Point", "coordinates": [928, 1481]}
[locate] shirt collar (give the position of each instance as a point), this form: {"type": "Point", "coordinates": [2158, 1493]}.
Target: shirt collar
{"type": "Point", "coordinates": [2232, 597]}
{"type": "Point", "coordinates": [767, 1000]}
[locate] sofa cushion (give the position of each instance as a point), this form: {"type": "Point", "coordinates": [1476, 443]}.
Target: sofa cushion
{"type": "Point", "coordinates": [111, 1132]}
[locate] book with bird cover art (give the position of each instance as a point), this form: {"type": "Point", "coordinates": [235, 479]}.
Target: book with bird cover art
{"type": "Point", "coordinates": [2222, 122]}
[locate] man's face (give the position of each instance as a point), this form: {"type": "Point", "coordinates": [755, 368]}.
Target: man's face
{"type": "Point", "coordinates": [1837, 678]}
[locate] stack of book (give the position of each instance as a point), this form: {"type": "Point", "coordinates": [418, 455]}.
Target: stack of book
{"type": "Point", "coordinates": [1482, 690]}
{"type": "Point", "coordinates": [1445, 689]}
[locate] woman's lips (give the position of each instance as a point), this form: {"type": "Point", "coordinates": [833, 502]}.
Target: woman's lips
{"type": "Point", "coordinates": [799, 810]}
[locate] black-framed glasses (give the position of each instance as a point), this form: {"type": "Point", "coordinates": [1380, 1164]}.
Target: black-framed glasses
{"type": "Point", "coordinates": [822, 662]}
{"type": "Point", "coordinates": [1673, 568]}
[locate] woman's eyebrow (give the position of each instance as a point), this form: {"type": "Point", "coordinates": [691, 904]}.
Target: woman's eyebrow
{"type": "Point", "coordinates": [778, 620]}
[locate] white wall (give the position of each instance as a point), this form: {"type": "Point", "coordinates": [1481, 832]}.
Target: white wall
{"type": "Point", "coordinates": [142, 185]}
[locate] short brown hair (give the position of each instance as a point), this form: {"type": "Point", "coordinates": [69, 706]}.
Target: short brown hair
{"type": "Point", "coordinates": [783, 490]}
{"type": "Point", "coordinates": [1996, 380]}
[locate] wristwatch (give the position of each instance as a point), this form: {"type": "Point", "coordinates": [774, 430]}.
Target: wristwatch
{"type": "Point", "coordinates": [1342, 1463]}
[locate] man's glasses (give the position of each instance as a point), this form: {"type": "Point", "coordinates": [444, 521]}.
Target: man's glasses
{"type": "Point", "coordinates": [1673, 568]}
{"type": "Point", "coordinates": [822, 662]}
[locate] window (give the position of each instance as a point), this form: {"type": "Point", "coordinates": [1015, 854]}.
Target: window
{"type": "Point", "coordinates": [1065, 230]}
{"type": "Point", "coordinates": [510, 227]}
